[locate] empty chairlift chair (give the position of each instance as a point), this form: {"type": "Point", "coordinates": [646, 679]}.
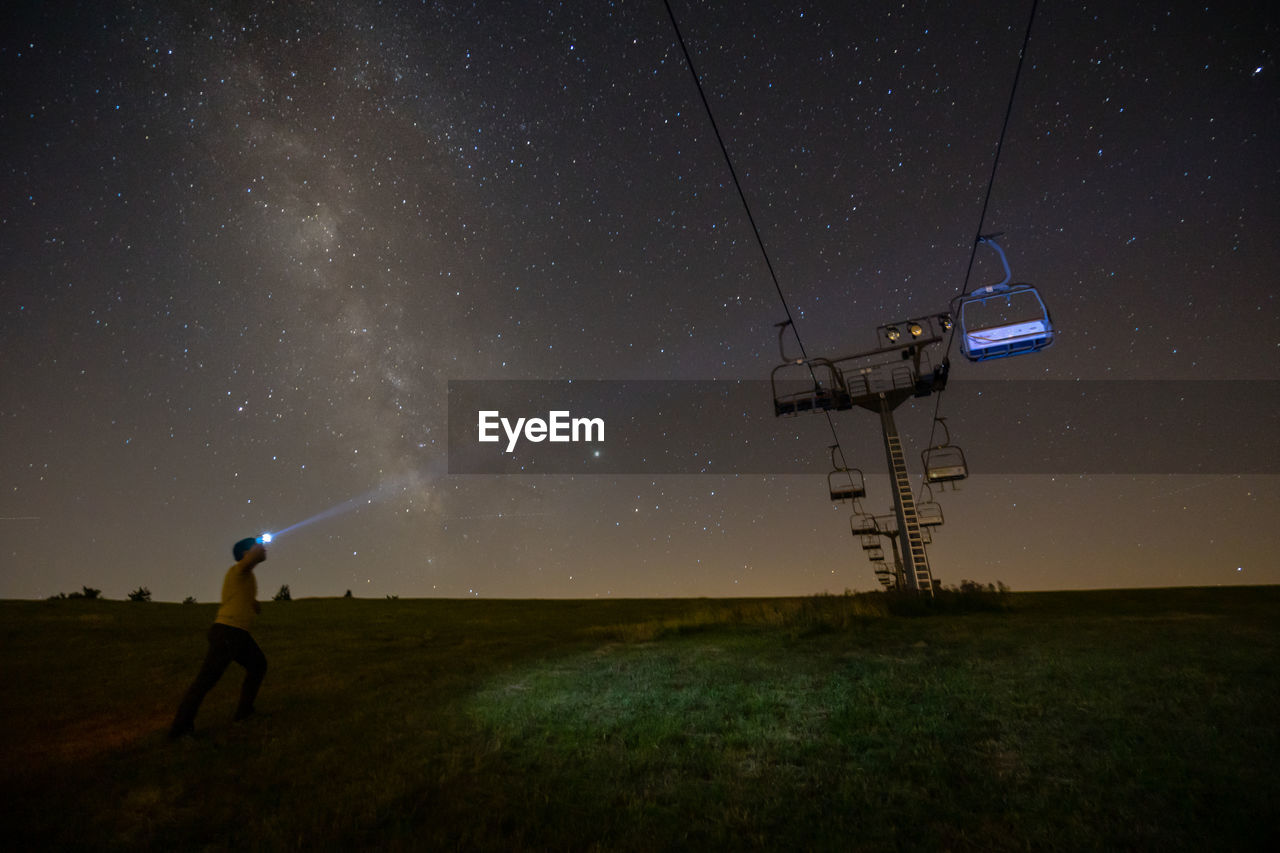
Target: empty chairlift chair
{"type": "Point", "coordinates": [944, 463]}
{"type": "Point", "coordinates": [929, 513]}
{"type": "Point", "coordinates": [808, 386]}
{"type": "Point", "coordinates": [844, 483]}
{"type": "Point", "coordinates": [863, 525]}
{"type": "Point", "coordinates": [1000, 320]}
{"type": "Point", "coordinates": [996, 322]}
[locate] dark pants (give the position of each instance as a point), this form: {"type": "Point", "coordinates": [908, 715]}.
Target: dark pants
{"type": "Point", "coordinates": [226, 644]}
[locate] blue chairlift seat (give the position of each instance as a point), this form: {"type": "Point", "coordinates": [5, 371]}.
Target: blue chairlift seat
{"type": "Point", "coordinates": [1002, 320]}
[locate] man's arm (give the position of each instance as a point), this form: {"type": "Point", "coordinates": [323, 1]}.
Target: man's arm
{"type": "Point", "coordinates": [251, 558]}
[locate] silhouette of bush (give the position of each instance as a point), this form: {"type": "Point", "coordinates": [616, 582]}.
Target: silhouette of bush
{"type": "Point", "coordinates": [140, 594]}
{"type": "Point", "coordinates": [976, 596]}
{"type": "Point", "coordinates": [283, 594]}
{"type": "Point", "coordinates": [190, 599]}
{"type": "Point", "coordinates": [968, 597]}
{"type": "Point", "coordinates": [348, 595]}
{"type": "Point", "coordinates": [86, 592]}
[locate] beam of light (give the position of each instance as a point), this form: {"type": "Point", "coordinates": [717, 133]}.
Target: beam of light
{"type": "Point", "coordinates": [336, 510]}
{"type": "Point", "coordinates": [385, 489]}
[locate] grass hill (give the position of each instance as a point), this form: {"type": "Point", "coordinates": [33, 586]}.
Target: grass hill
{"type": "Point", "coordinates": [1113, 719]}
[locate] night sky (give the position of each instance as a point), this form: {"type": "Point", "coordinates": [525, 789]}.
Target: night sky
{"type": "Point", "coordinates": [244, 247]}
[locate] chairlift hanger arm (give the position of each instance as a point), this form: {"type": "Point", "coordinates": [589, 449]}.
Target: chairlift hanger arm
{"type": "Point", "coordinates": [782, 350]}
{"type": "Point", "coordinates": [842, 465]}
{"type": "Point", "coordinates": [989, 239]}
{"type": "Point", "coordinates": [946, 431]}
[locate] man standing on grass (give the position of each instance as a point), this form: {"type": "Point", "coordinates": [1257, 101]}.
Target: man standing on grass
{"type": "Point", "coordinates": [230, 640]}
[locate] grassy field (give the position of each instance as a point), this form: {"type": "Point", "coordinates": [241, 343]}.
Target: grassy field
{"type": "Point", "coordinates": [1069, 721]}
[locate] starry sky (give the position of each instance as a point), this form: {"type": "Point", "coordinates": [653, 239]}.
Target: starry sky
{"type": "Point", "coordinates": [245, 247]}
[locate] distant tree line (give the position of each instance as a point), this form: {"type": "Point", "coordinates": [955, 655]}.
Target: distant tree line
{"type": "Point", "coordinates": [139, 594]}
{"type": "Point", "coordinates": [142, 593]}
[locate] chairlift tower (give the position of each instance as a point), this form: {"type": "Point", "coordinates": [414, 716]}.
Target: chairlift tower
{"type": "Point", "coordinates": [995, 321]}
{"type": "Point", "coordinates": [878, 380]}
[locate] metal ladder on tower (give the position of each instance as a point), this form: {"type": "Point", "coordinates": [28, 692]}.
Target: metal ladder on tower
{"type": "Point", "coordinates": [914, 557]}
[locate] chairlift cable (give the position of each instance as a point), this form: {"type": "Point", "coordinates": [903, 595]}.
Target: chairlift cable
{"type": "Point", "coordinates": [742, 196]}
{"type": "Point", "coordinates": [995, 162]}
{"type": "Point", "coordinates": [986, 201]}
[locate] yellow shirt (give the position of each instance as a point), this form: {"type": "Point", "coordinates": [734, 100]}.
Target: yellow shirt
{"type": "Point", "coordinates": [239, 595]}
